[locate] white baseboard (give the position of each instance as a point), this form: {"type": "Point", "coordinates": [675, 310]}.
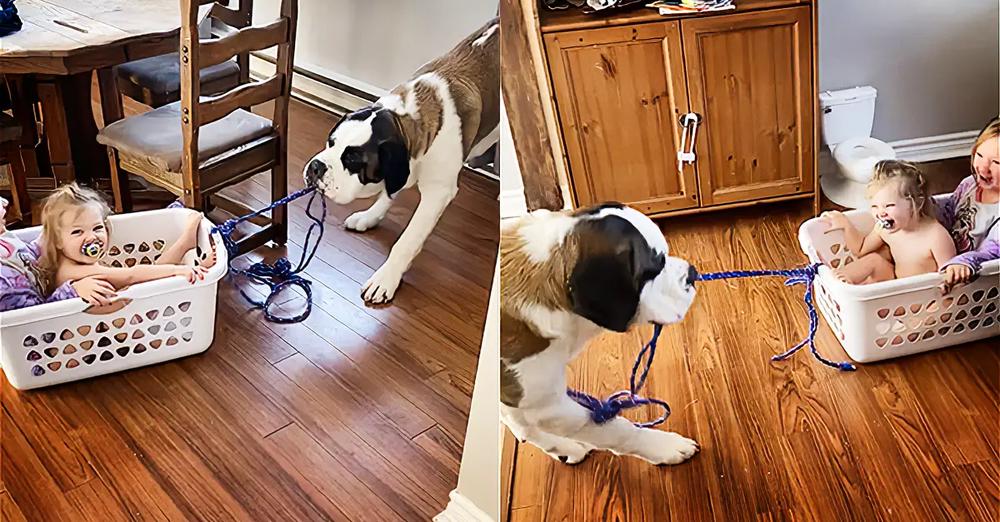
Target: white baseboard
{"type": "Point", "coordinates": [317, 93]}
{"type": "Point", "coordinates": [932, 148]}
{"type": "Point", "coordinates": [512, 204]}
{"type": "Point", "coordinates": [461, 509]}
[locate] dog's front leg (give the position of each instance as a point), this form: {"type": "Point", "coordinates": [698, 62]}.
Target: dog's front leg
{"type": "Point", "coordinates": [568, 419]}
{"type": "Point", "coordinates": [382, 285]}
{"type": "Point", "coordinates": [369, 218]}
{"type": "Point", "coordinates": [564, 450]}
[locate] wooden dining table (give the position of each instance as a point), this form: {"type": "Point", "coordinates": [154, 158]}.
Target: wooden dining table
{"type": "Point", "coordinates": [53, 59]}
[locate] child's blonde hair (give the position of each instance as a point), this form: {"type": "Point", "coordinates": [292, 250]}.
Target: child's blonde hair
{"type": "Point", "coordinates": [71, 197]}
{"type": "Point", "coordinates": [990, 131]}
{"type": "Point", "coordinates": [912, 184]}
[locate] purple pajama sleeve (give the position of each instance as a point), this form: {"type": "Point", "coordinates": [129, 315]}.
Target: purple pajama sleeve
{"type": "Point", "coordinates": [970, 255]}
{"type": "Point", "coordinates": [17, 290]}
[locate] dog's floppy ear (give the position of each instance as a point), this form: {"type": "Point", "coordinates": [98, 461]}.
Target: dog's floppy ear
{"type": "Point", "coordinates": [393, 156]}
{"type": "Point", "coordinates": [393, 165]}
{"type": "Point", "coordinates": [601, 290]}
{"type": "Point", "coordinates": [603, 285]}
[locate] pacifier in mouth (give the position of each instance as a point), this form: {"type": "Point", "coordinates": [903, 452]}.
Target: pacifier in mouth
{"type": "Point", "coordinates": [92, 249]}
{"type": "Point", "coordinates": [886, 223]}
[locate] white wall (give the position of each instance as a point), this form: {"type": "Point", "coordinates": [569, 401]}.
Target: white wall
{"type": "Point", "coordinates": [477, 496]}
{"type": "Point", "coordinates": [375, 44]}
{"type": "Point", "coordinates": [934, 63]}
{"type": "Point", "coordinates": [512, 201]}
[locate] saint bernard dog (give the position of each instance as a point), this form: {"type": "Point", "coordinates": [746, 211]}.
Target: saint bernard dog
{"type": "Point", "coordinates": [420, 134]}
{"type": "Point", "coordinates": [565, 277]}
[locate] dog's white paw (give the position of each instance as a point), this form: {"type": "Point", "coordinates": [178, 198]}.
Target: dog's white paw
{"type": "Point", "coordinates": [664, 447]}
{"type": "Point", "coordinates": [568, 451]}
{"type": "Point", "coordinates": [361, 221]}
{"type": "Point", "coordinates": [381, 286]}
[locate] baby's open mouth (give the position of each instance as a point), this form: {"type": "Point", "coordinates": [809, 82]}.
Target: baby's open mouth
{"type": "Point", "coordinates": [887, 223]}
{"type": "Point", "coordinates": [988, 180]}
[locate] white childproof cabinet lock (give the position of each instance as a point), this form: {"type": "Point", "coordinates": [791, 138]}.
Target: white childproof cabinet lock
{"type": "Point", "coordinates": [689, 126]}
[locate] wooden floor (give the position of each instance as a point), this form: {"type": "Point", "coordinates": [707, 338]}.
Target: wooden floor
{"type": "Point", "coordinates": [908, 439]}
{"type": "Point", "coordinates": [356, 414]}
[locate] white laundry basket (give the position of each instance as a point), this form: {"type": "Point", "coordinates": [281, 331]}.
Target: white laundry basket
{"type": "Point", "coordinates": [152, 322]}
{"type": "Point", "coordinates": [902, 316]}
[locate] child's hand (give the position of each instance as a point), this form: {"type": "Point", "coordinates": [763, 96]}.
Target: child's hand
{"type": "Point", "coordinates": [94, 290]}
{"type": "Point", "coordinates": [192, 273]}
{"type": "Point", "coordinates": [837, 220]}
{"type": "Point", "coordinates": [953, 275]}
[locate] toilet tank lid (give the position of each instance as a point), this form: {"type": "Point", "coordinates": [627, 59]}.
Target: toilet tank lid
{"type": "Point", "coordinates": [842, 96]}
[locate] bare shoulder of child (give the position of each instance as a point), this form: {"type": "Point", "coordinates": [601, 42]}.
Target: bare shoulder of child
{"type": "Point", "coordinates": [921, 250]}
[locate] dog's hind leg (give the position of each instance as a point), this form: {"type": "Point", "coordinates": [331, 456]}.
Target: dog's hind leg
{"type": "Point", "coordinates": [371, 217]}
{"type": "Point", "coordinates": [382, 285]}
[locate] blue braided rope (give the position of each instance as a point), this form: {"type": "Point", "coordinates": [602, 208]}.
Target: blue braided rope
{"type": "Point", "coordinates": [602, 411]}
{"type": "Point", "coordinates": [280, 275]}
{"type": "Point", "coordinates": [794, 276]}
{"type": "Point", "coordinates": [9, 21]}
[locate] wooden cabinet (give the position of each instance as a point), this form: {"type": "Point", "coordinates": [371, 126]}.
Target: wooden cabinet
{"type": "Point", "coordinates": [748, 78]}
{"type": "Point", "coordinates": [620, 128]}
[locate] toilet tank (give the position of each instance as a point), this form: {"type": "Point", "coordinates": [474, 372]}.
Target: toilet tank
{"type": "Point", "coordinates": [847, 113]}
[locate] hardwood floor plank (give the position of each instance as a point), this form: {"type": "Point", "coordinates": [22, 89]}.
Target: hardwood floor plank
{"type": "Point", "coordinates": [9, 510]}
{"type": "Point", "coordinates": [410, 415]}
{"type": "Point", "coordinates": [323, 424]}
{"type": "Point", "coordinates": [324, 479]}
{"type": "Point", "coordinates": [167, 448]}
{"type": "Point", "coordinates": [117, 459]}
{"type": "Point", "coordinates": [91, 501]}
{"type": "Point", "coordinates": [232, 454]}
{"type": "Point", "coordinates": [440, 446]}
{"type": "Point", "coordinates": [372, 427]}
{"type": "Point", "coordinates": [30, 487]}
{"type": "Point", "coordinates": [52, 439]}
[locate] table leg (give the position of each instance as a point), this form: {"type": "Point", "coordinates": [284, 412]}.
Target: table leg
{"type": "Point", "coordinates": [112, 111]}
{"type": "Point", "coordinates": [50, 97]}
{"type": "Point", "coordinates": [90, 157]}
{"type": "Point", "coordinates": [73, 149]}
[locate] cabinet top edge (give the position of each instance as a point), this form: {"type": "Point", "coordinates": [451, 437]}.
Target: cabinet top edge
{"type": "Point", "coordinates": [567, 20]}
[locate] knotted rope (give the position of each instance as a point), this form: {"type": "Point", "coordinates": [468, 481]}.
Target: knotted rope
{"type": "Point", "coordinates": [279, 275]}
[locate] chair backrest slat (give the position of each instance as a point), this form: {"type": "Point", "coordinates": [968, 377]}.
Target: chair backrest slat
{"type": "Point", "coordinates": [197, 54]}
{"type": "Point", "coordinates": [247, 95]}
{"type": "Point", "coordinates": [228, 16]}
{"type": "Point", "coordinates": [252, 38]}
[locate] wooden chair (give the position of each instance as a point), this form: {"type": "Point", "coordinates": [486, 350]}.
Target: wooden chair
{"type": "Point", "coordinates": [156, 81]}
{"type": "Point", "coordinates": [200, 145]}
{"type": "Point", "coordinates": [16, 150]}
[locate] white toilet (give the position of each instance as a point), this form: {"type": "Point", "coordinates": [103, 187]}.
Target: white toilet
{"type": "Point", "coordinates": [847, 126]}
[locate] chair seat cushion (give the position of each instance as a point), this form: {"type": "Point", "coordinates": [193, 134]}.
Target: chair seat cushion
{"type": "Point", "coordinates": [10, 130]}
{"type": "Point", "coordinates": [161, 75]}
{"type": "Point", "coordinates": [154, 138]}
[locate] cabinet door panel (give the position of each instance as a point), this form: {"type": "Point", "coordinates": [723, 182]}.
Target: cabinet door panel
{"type": "Point", "coordinates": [749, 76]}
{"type": "Point", "coordinates": [619, 92]}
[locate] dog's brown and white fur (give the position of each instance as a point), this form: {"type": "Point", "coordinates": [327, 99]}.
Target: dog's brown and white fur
{"type": "Point", "coordinates": [420, 134]}
{"type": "Point", "coordinates": [565, 276]}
